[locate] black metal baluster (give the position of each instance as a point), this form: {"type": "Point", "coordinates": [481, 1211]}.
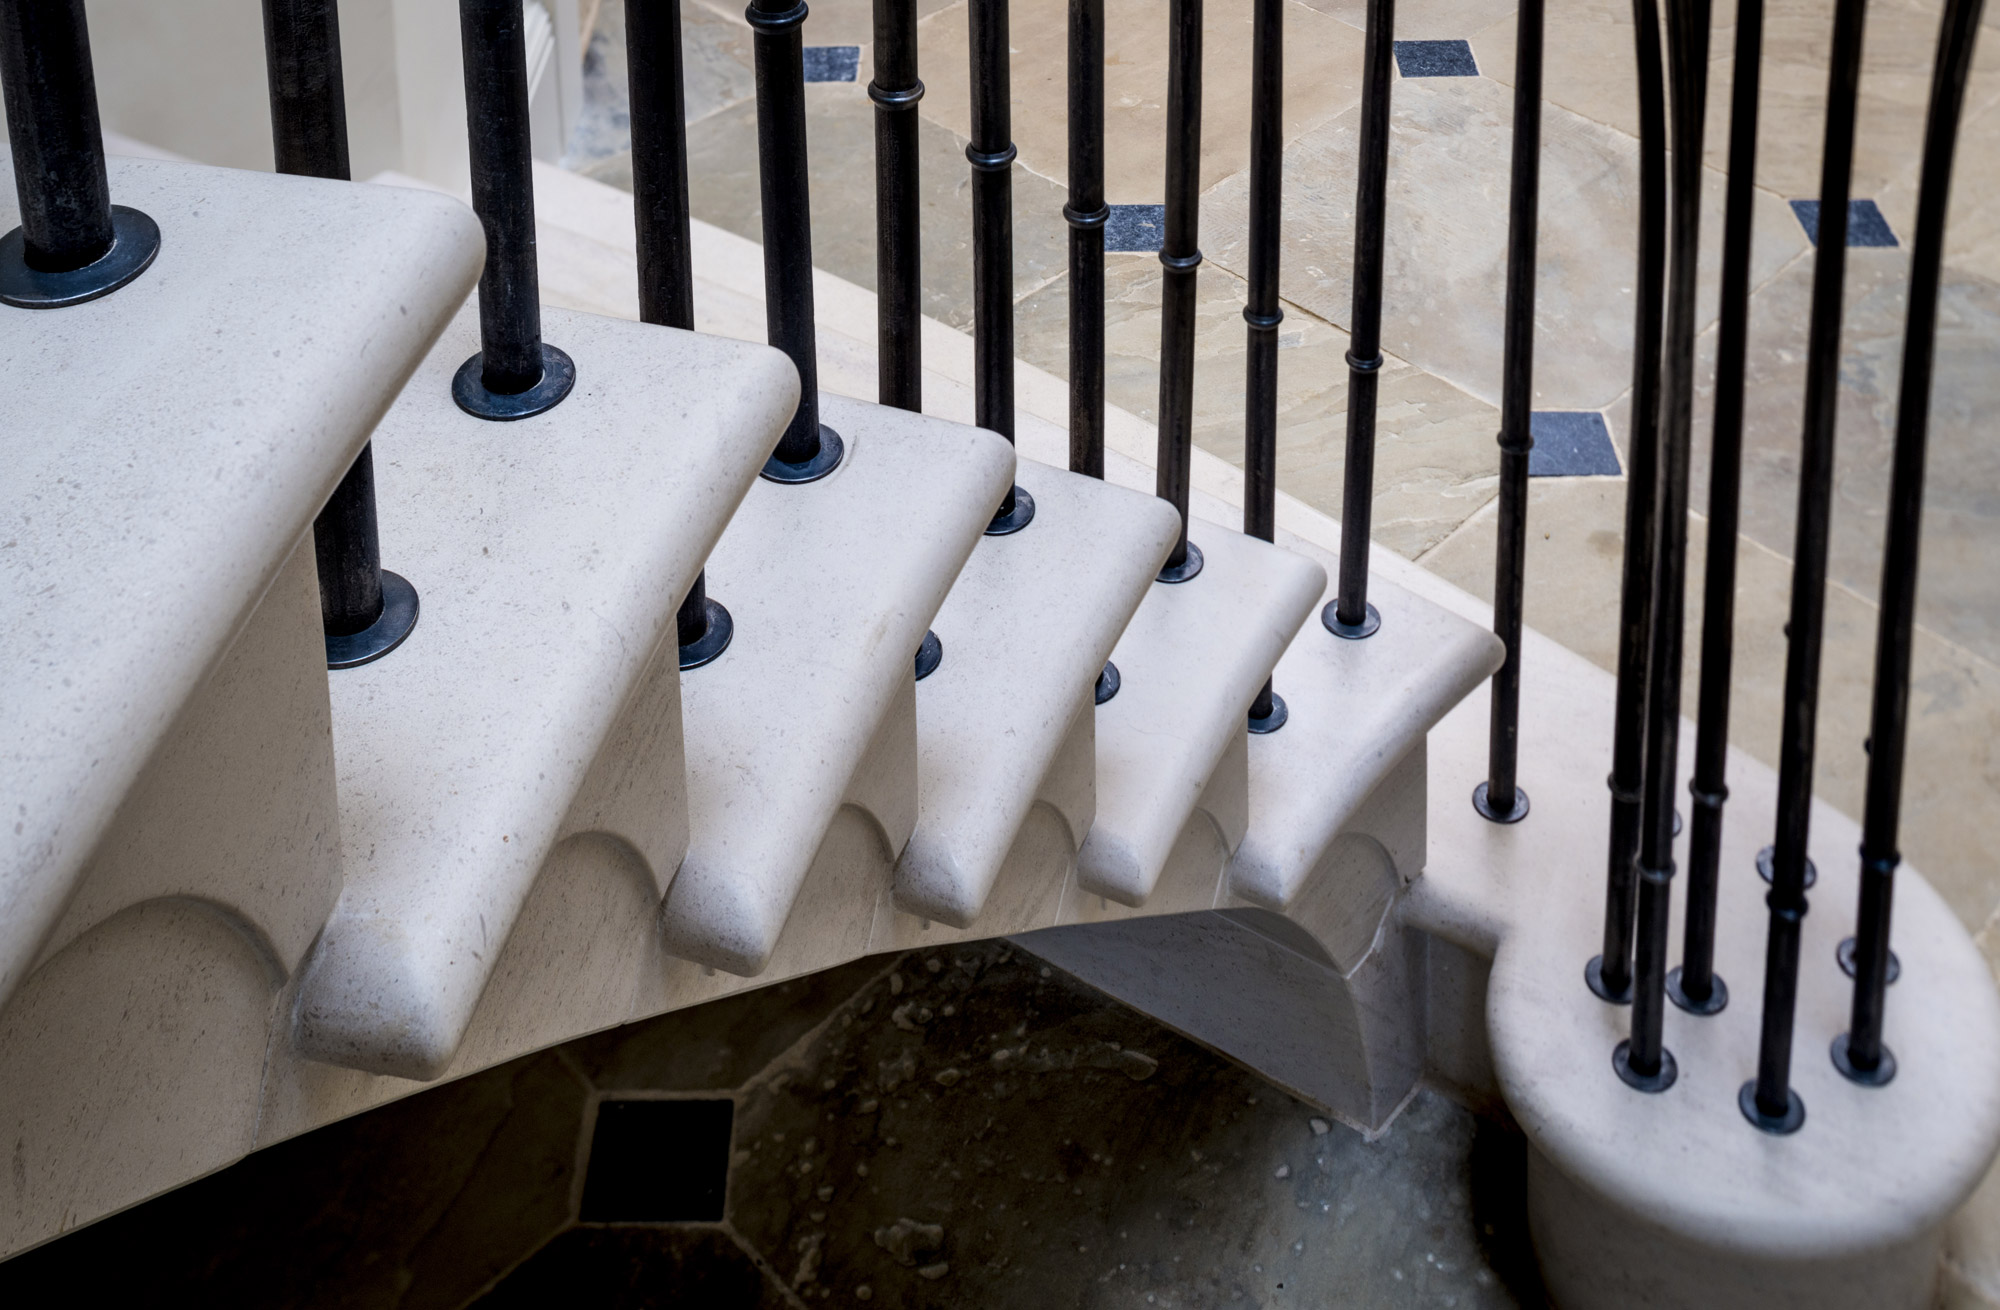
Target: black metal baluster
{"type": "Point", "coordinates": [365, 611]}
{"type": "Point", "coordinates": [898, 245]}
{"type": "Point", "coordinates": [1264, 313]}
{"type": "Point", "coordinates": [1859, 1052]}
{"type": "Point", "coordinates": [515, 374]}
{"type": "Point", "coordinates": [991, 154]}
{"type": "Point", "coordinates": [809, 449]}
{"type": "Point", "coordinates": [1351, 615]}
{"type": "Point", "coordinates": [1180, 257]}
{"type": "Point", "coordinates": [1087, 214]}
{"type": "Point", "coordinates": [895, 89]}
{"type": "Point", "coordinates": [703, 627]}
{"type": "Point", "coordinates": [1643, 1061]}
{"type": "Point", "coordinates": [73, 244]}
{"type": "Point", "coordinates": [1500, 797]}
{"type": "Point", "coordinates": [1610, 974]}
{"type": "Point", "coordinates": [1694, 986]}
{"type": "Point", "coordinates": [1768, 1100]}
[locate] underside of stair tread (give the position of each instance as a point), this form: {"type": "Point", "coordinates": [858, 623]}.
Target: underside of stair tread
{"type": "Point", "coordinates": [1026, 629]}
{"type": "Point", "coordinates": [1191, 662]}
{"type": "Point", "coordinates": [1356, 709]}
{"type": "Point", "coordinates": [550, 554]}
{"type": "Point", "coordinates": [204, 412]}
{"type": "Point", "coordinates": [832, 585]}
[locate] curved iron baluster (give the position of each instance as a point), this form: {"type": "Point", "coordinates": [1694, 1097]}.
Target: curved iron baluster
{"type": "Point", "coordinates": [1694, 986]}
{"type": "Point", "coordinates": [896, 89]}
{"type": "Point", "coordinates": [1500, 797]}
{"type": "Point", "coordinates": [1087, 215]}
{"type": "Point", "coordinates": [1610, 974]}
{"type": "Point", "coordinates": [991, 154]}
{"type": "Point", "coordinates": [1264, 313]}
{"type": "Point", "coordinates": [1859, 1053]}
{"type": "Point", "coordinates": [1643, 1061]}
{"type": "Point", "coordinates": [1768, 1100]}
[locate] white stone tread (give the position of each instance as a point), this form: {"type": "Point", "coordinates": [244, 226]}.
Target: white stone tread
{"type": "Point", "coordinates": [832, 585]}
{"type": "Point", "coordinates": [1357, 708]}
{"type": "Point", "coordinates": [1026, 629]}
{"type": "Point", "coordinates": [1191, 662]}
{"type": "Point", "coordinates": [550, 555]}
{"type": "Point", "coordinates": [166, 446]}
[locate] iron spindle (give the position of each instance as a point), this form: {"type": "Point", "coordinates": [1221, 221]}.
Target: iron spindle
{"type": "Point", "coordinates": [1500, 797]}
{"type": "Point", "coordinates": [1087, 214]}
{"type": "Point", "coordinates": [1351, 615]}
{"type": "Point", "coordinates": [515, 374]}
{"type": "Point", "coordinates": [1769, 1101]}
{"type": "Point", "coordinates": [73, 244]}
{"type": "Point", "coordinates": [702, 626]}
{"type": "Point", "coordinates": [991, 154]}
{"type": "Point", "coordinates": [1263, 313]}
{"type": "Point", "coordinates": [898, 249]}
{"type": "Point", "coordinates": [1694, 986]}
{"type": "Point", "coordinates": [1610, 974]}
{"type": "Point", "coordinates": [1180, 257]}
{"type": "Point", "coordinates": [1860, 1053]}
{"type": "Point", "coordinates": [364, 611]}
{"type": "Point", "coordinates": [808, 450]}
{"type": "Point", "coordinates": [1643, 1061]}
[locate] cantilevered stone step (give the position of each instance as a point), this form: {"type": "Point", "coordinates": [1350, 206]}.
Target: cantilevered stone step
{"type": "Point", "coordinates": [538, 696]}
{"type": "Point", "coordinates": [1026, 630]}
{"type": "Point", "coordinates": [166, 448]}
{"type": "Point", "coordinates": [1358, 708]}
{"type": "Point", "coordinates": [801, 738]}
{"type": "Point", "coordinates": [1171, 782]}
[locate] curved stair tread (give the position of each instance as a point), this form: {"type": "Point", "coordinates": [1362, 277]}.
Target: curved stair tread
{"type": "Point", "coordinates": [216, 401]}
{"type": "Point", "coordinates": [1357, 709]}
{"type": "Point", "coordinates": [1192, 660]}
{"type": "Point", "coordinates": [550, 554]}
{"type": "Point", "coordinates": [1026, 629]}
{"type": "Point", "coordinates": [832, 585]}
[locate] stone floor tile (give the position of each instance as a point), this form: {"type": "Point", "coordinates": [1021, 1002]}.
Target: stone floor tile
{"type": "Point", "coordinates": [1421, 20]}
{"type": "Point", "coordinates": [640, 1268]}
{"type": "Point", "coordinates": [1959, 595]}
{"type": "Point", "coordinates": [1445, 274]}
{"type": "Point", "coordinates": [1950, 824]}
{"type": "Point", "coordinates": [723, 1044]}
{"type": "Point", "coordinates": [715, 69]}
{"type": "Point", "coordinates": [421, 1202]}
{"type": "Point", "coordinates": [993, 1133]}
{"type": "Point", "coordinates": [1435, 460]}
{"type": "Point", "coordinates": [1322, 77]}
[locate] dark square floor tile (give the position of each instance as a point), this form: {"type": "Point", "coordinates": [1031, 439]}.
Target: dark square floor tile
{"type": "Point", "coordinates": [1137, 229]}
{"type": "Point", "coordinates": [832, 63]}
{"type": "Point", "coordinates": [655, 1161]}
{"type": "Point", "coordinates": [1436, 59]}
{"type": "Point", "coordinates": [1865, 224]}
{"type": "Point", "coordinates": [638, 1269]}
{"type": "Point", "coordinates": [1571, 444]}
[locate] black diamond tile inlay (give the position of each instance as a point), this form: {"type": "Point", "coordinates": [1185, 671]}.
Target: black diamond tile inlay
{"type": "Point", "coordinates": [1571, 444]}
{"type": "Point", "coordinates": [1865, 224]}
{"type": "Point", "coordinates": [655, 1161]}
{"type": "Point", "coordinates": [1139, 228]}
{"type": "Point", "coordinates": [833, 63]}
{"type": "Point", "coordinates": [1435, 59]}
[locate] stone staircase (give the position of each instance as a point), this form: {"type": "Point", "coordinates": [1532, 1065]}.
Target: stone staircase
{"type": "Point", "coordinates": [243, 897]}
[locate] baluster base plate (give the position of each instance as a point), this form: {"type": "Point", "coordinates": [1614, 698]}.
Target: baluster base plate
{"type": "Point", "coordinates": [135, 240]}
{"type": "Point", "coordinates": [1879, 1076]}
{"type": "Point", "coordinates": [468, 388]}
{"type": "Point", "coordinates": [1781, 1125]}
{"type": "Point", "coordinates": [715, 639]}
{"type": "Point", "coordinates": [397, 619]}
{"type": "Point", "coordinates": [1714, 1003]}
